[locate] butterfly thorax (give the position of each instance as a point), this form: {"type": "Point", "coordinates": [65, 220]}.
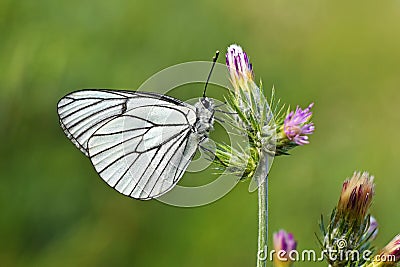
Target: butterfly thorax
{"type": "Point", "coordinates": [205, 117]}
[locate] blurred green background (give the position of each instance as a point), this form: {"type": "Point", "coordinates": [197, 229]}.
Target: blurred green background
{"type": "Point", "coordinates": [56, 211]}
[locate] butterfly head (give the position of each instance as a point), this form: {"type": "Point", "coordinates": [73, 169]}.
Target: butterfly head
{"type": "Point", "coordinates": [207, 103]}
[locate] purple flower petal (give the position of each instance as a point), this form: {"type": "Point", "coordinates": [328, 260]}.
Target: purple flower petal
{"type": "Point", "coordinates": [236, 58]}
{"type": "Point", "coordinates": [284, 241]}
{"type": "Point", "coordinates": [297, 126]}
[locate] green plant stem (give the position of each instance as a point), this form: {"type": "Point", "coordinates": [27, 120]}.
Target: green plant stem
{"type": "Point", "coordinates": [263, 219]}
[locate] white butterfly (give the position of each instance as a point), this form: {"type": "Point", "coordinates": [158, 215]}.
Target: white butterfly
{"type": "Point", "coordinates": [140, 143]}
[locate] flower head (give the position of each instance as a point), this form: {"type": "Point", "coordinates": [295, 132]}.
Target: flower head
{"type": "Point", "coordinates": [356, 197]}
{"type": "Point", "coordinates": [284, 243]}
{"type": "Point", "coordinates": [393, 249]}
{"type": "Point", "coordinates": [297, 125]}
{"type": "Point", "coordinates": [247, 96]}
{"type": "Point", "coordinates": [389, 256]}
{"type": "Point", "coordinates": [240, 68]}
{"type": "Point", "coordinates": [251, 116]}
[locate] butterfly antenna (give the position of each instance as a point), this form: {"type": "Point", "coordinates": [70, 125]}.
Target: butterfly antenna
{"type": "Point", "coordinates": [209, 75]}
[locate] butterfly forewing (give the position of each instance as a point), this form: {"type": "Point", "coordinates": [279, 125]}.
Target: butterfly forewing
{"type": "Point", "coordinates": [83, 112]}
{"type": "Point", "coordinates": [139, 143]}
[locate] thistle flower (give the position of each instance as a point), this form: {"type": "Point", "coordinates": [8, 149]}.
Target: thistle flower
{"type": "Point", "coordinates": [356, 197]}
{"type": "Point", "coordinates": [393, 249]}
{"type": "Point", "coordinates": [293, 129]}
{"type": "Point", "coordinates": [389, 256]}
{"type": "Point", "coordinates": [351, 228]}
{"type": "Point", "coordinates": [246, 93]}
{"type": "Point", "coordinates": [297, 125]}
{"type": "Point", "coordinates": [284, 243]}
{"type": "Point", "coordinates": [239, 66]}
{"type": "Point", "coordinates": [252, 118]}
